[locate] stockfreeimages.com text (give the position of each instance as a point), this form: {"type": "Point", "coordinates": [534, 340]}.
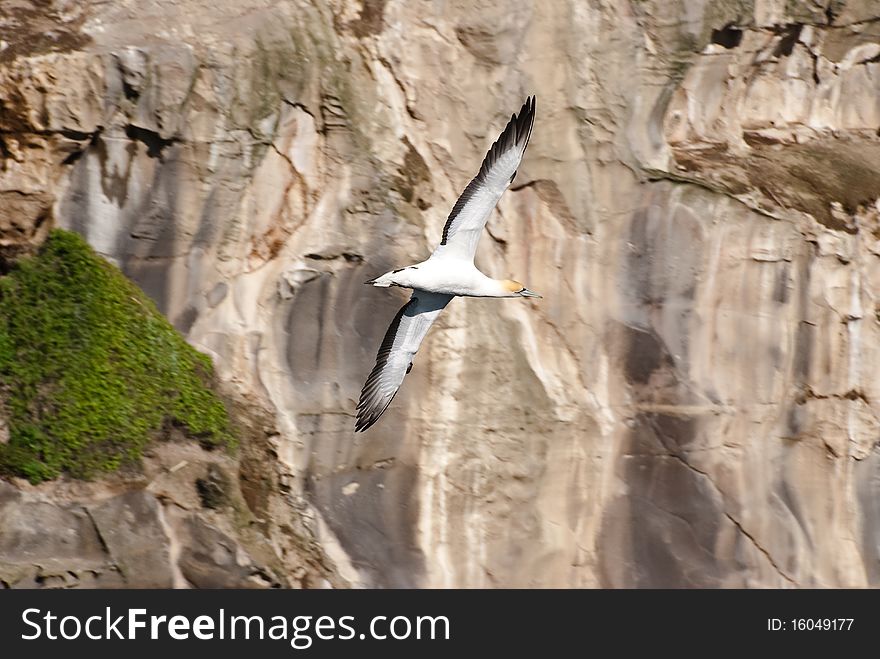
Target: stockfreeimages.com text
{"type": "Point", "coordinates": [300, 631]}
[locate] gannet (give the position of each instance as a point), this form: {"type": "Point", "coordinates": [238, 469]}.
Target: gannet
{"type": "Point", "coordinates": [448, 272]}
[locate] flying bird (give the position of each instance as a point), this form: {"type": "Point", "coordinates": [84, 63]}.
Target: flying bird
{"type": "Point", "coordinates": [450, 270]}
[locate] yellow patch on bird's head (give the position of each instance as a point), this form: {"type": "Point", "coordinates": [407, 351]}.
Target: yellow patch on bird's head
{"type": "Point", "coordinates": [513, 286]}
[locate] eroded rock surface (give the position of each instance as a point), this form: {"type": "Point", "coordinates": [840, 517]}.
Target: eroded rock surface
{"type": "Point", "coordinates": [150, 528]}
{"type": "Point", "coordinates": [693, 403]}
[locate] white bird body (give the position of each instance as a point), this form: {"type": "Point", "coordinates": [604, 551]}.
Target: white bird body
{"type": "Point", "coordinates": [449, 272]}
{"type": "Point", "coordinates": [452, 276]}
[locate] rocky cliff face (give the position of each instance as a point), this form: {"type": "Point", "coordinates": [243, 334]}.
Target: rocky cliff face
{"type": "Point", "coordinates": [184, 517]}
{"type": "Point", "coordinates": [693, 403]}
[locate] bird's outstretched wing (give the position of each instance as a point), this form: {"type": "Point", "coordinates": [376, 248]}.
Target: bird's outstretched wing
{"type": "Point", "coordinates": [394, 360]}
{"type": "Point", "coordinates": [468, 217]}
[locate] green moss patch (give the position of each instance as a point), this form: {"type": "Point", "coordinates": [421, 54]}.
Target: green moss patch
{"type": "Point", "coordinates": [90, 371]}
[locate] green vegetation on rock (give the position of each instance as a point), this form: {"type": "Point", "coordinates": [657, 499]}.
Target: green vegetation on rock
{"type": "Point", "coordinates": [90, 371]}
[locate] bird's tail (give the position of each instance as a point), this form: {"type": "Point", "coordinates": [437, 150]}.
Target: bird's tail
{"type": "Point", "coordinates": [382, 282]}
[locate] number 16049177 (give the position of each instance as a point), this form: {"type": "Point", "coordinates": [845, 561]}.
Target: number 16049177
{"type": "Point", "coordinates": [810, 624]}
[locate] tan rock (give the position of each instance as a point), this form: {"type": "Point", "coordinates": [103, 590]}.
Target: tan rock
{"type": "Point", "coordinates": [693, 403]}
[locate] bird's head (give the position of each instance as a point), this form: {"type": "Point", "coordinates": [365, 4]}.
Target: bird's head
{"type": "Point", "coordinates": [516, 289]}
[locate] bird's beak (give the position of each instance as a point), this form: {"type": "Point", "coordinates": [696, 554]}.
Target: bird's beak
{"type": "Point", "coordinates": [527, 293]}
{"type": "Point", "coordinates": [371, 281]}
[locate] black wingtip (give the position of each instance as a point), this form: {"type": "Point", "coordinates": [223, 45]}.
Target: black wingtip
{"type": "Point", "coordinates": [525, 120]}
{"type": "Point", "coordinates": [367, 412]}
{"type": "Point", "coordinates": [364, 419]}
{"type": "Point", "coordinates": [517, 131]}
